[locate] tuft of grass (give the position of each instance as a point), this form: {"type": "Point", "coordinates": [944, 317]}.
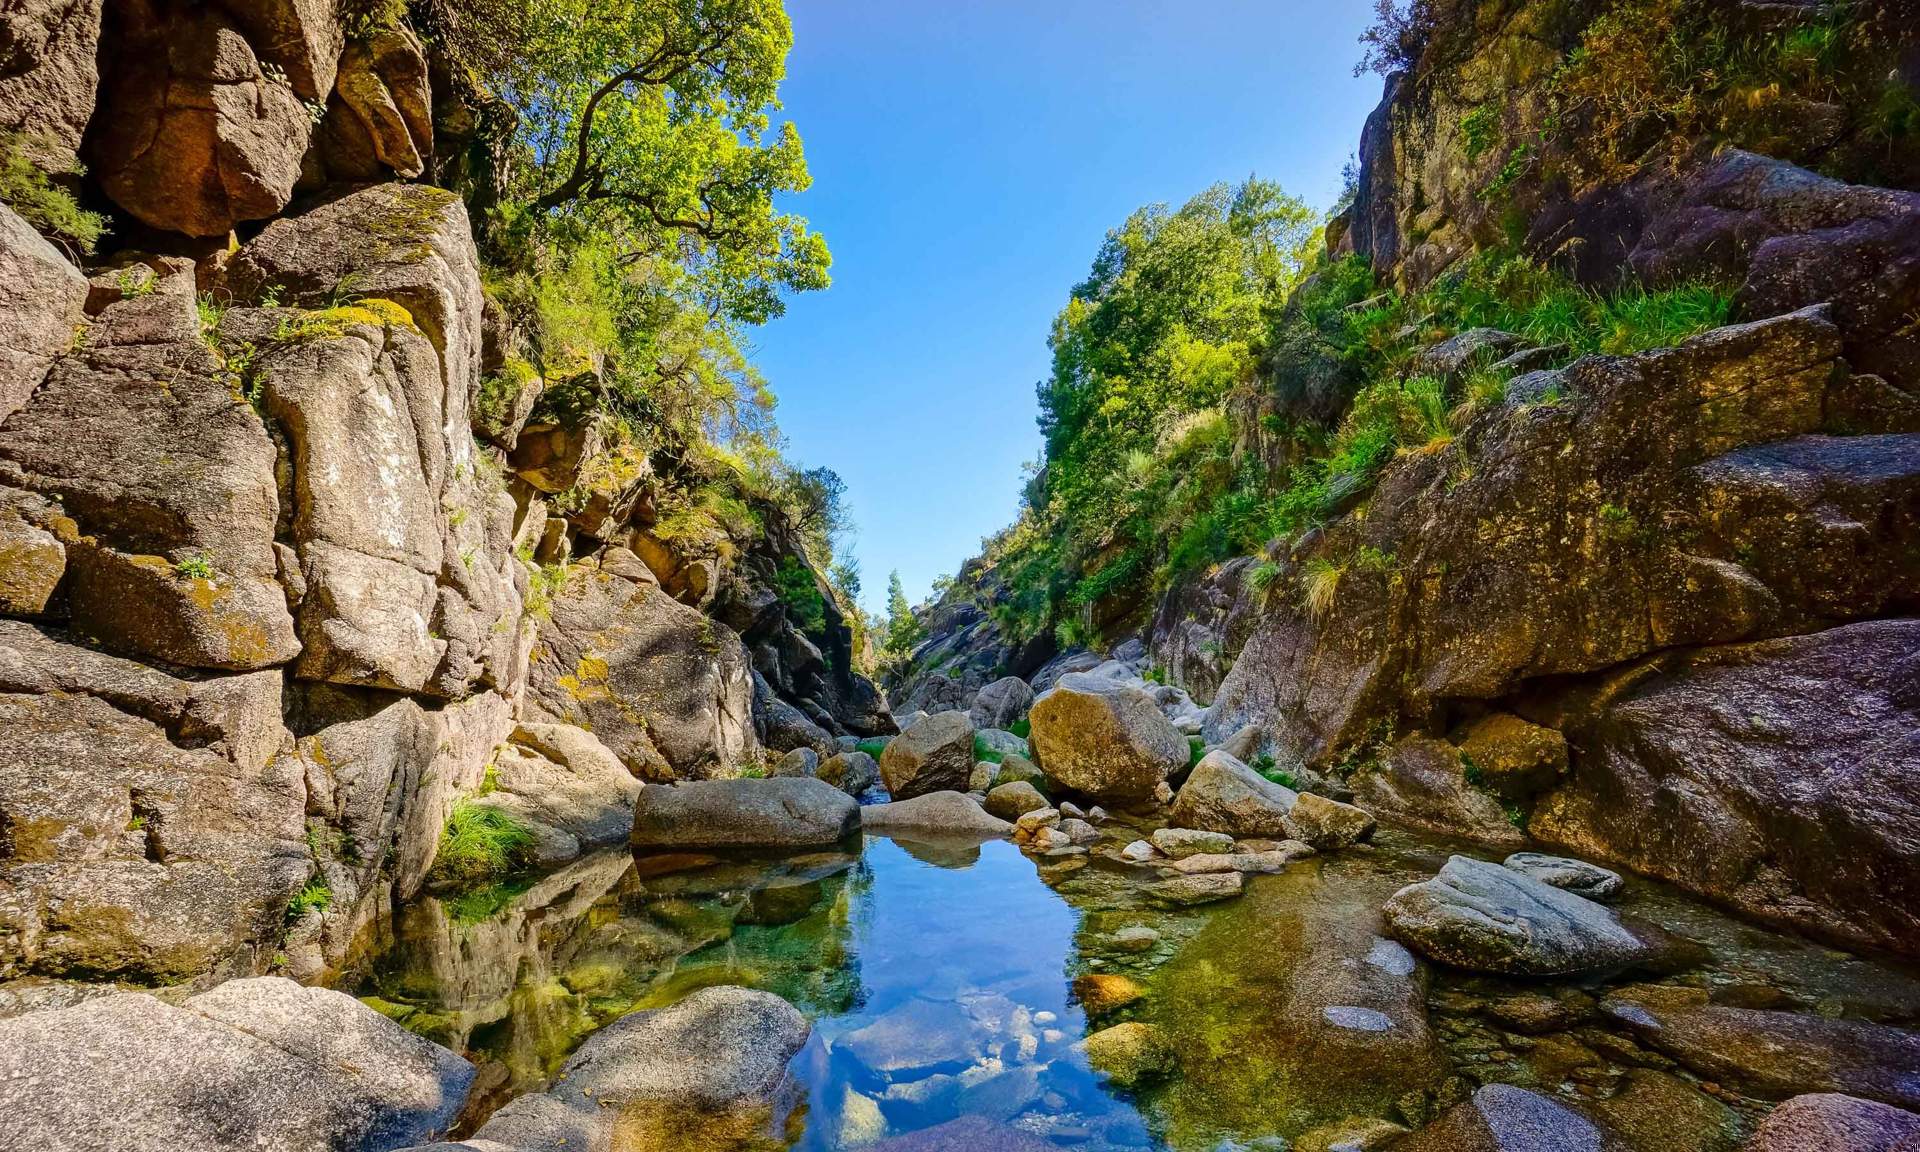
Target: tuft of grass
{"type": "Point", "coordinates": [1269, 768]}
{"type": "Point", "coordinates": [480, 844]}
{"type": "Point", "coordinates": [1322, 586]}
{"type": "Point", "coordinates": [484, 903]}
{"type": "Point", "coordinates": [1196, 750]}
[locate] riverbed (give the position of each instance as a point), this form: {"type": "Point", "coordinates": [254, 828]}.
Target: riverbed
{"type": "Point", "coordinates": [959, 980]}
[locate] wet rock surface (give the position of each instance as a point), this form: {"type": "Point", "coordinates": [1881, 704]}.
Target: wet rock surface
{"type": "Point", "coordinates": [779, 813]}
{"type": "Point", "coordinates": [1487, 918]}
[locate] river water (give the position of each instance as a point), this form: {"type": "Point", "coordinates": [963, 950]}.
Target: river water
{"type": "Point", "coordinates": [958, 980]}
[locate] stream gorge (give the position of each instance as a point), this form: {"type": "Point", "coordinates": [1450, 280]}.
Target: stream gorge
{"type": "Point", "coordinates": [952, 985]}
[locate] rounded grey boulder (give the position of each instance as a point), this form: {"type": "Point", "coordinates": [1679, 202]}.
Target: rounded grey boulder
{"type": "Point", "coordinates": [791, 812]}
{"type": "Point", "coordinates": [1486, 918]}
{"type": "Point", "coordinates": [937, 813]}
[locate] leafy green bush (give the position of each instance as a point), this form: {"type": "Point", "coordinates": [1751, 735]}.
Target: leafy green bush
{"type": "Point", "coordinates": [316, 894]}
{"type": "Point", "coordinates": [795, 586]}
{"type": "Point", "coordinates": [26, 188]}
{"type": "Point", "coordinates": [479, 845]}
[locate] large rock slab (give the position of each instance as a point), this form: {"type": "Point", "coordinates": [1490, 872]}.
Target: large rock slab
{"type": "Point", "coordinates": [1833, 1122]}
{"type": "Point", "coordinates": [775, 813]}
{"type": "Point", "coordinates": [1588, 487]}
{"type": "Point", "coordinates": [935, 755]}
{"type": "Point", "coordinates": [1781, 777]}
{"type": "Point", "coordinates": [934, 814]}
{"type": "Point", "coordinates": [1487, 918]}
{"type": "Point", "coordinates": [669, 690]}
{"type": "Point", "coordinates": [43, 299]}
{"type": "Point", "coordinates": [710, 1073]}
{"type": "Point", "coordinates": [566, 785]}
{"type": "Point", "coordinates": [252, 1064]}
{"type": "Point", "coordinates": [1104, 738]}
{"type": "Point", "coordinates": [170, 483]}
{"type": "Point", "coordinates": [1223, 795]}
{"type": "Point", "coordinates": [151, 832]}
{"type": "Point", "coordinates": [1773, 1054]}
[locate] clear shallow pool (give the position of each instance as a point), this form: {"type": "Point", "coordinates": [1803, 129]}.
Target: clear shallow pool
{"type": "Point", "coordinates": [958, 980]}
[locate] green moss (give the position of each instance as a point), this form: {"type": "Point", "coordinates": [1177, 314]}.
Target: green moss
{"type": "Point", "coordinates": [985, 751]}
{"type": "Point", "coordinates": [1022, 728]}
{"type": "Point", "coordinates": [872, 748]}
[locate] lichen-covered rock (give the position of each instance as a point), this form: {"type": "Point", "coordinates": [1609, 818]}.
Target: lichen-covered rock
{"type": "Point", "coordinates": [1326, 824]}
{"type": "Point", "coordinates": [51, 76]}
{"type": "Point", "coordinates": [1015, 799]}
{"type": "Point", "coordinates": [1423, 782]}
{"type": "Point", "coordinates": [193, 135]}
{"type": "Point", "coordinates": [935, 755]}
{"type": "Point", "coordinates": [785, 813]}
{"type": "Point", "coordinates": [1200, 624]}
{"type": "Point", "coordinates": [139, 440]}
{"type": "Point", "coordinates": [1486, 918]}
{"type": "Point", "coordinates": [666, 688]}
{"type": "Point", "coordinates": [566, 784]}
{"type": "Point", "coordinates": [1591, 488]}
{"type": "Point", "coordinates": [34, 536]}
{"type": "Point", "coordinates": [253, 1064]}
{"type": "Point", "coordinates": [1512, 757]}
{"type": "Point", "coordinates": [1223, 795]}
{"type": "Point", "coordinates": [1104, 738]}
{"type": "Point", "coordinates": [151, 832]}
{"type": "Point", "coordinates": [381, 116]}
{"type": "Point", "coordinates": [1778, 777]}
{"type": "Point", "coordinates": [852, 772]}
{"type": "Point", "coordinates": [42, 303]}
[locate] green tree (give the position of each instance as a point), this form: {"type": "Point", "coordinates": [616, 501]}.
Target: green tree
{"type": "Point", "coordinates": [903, 630]}
{"type": "Point", "coordinates": [649, 120]}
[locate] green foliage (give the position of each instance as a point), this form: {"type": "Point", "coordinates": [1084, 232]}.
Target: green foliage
{"type": "Point", "coordinates": [1196, 751]}
{"type": "Point", "coordinates": [985, 751]}
{"type": "Point", "coordinates": [478, 905]}
{"type": "Point", "coordinates": [1265, 765]}
{"type": "Point", "coordinates": [26, 188]}
{"type": "Point", "coordinates": [1022, 728]}
{"type": "Point", "coordinates": [1477, 129]}
{"type": "Point", "coordinates": [480, 844]}
{"type": "Point", "coordinates": [362, 17]}
{"type": "Point", "coordinates": [196, 567]}
{"type": "Point", "coordinates": [796, 587]}
{"type": "Point", "coordinates": [317, 894]}
{"type": "Point", "coordinates": [903, 629]}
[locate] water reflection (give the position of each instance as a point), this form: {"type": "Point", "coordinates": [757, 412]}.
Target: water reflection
{"type": "Point", "coordinates": [942, 977]}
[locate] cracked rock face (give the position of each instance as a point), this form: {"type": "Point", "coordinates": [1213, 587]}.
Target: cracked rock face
{"type": "Point", "coordinates": [194, 133]}
{"type": "Point", "coordinates": [147, 828]}
{"type": "Point", "coordinates": [140, 439]}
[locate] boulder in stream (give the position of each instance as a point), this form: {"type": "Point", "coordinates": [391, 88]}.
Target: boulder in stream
{"type": "Point", "coordinates": [1503, 1118]}
{"type": "Point", "coordinates": [1486, 918]}
{"type": "Point", "coordinates": [936, 813]}
{"type": "Point", "coordinates": [1224, 795]}
{"type": "Point", "coordinates": [1105, 738]}
{"type": "Point", "coordinates": [934, 755]}
{"type": "Point", "coordinates": [777, 813]}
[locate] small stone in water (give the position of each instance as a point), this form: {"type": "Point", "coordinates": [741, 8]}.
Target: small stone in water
{"type": "Point", "coordinates": [1181, 842]}
{"type": "Point", "coordinates": [1071, 810]}
{"type": "Point", "coordinates": [1357, 1019]}
{"type": "Point", "coordinates": [1135, 938]}
{"type": "Point", "coordinates": [1139, 852]}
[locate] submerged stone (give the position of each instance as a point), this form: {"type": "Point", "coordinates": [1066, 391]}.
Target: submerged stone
{"type": "Point", "coordinates": [1486, 918]}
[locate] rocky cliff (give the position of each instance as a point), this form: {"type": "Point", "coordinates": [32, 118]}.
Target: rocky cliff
{"type": "Point", "coordinates": [1655, 607]}
{"type": "Point", "coordinates": [284, 582]}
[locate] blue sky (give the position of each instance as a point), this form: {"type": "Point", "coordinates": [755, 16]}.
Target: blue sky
{"type": "Point", "coordinates": [967, 159]}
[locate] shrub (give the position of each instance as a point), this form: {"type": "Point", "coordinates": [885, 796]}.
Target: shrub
{"type": "Point", "coordinates": [316, 894]}
{"type": "Point", "coordinates": [479, 845]}
{"type": "Point", "coordinates": [800, 592]}
{"type": "Point", "coordinates": [48, 207]}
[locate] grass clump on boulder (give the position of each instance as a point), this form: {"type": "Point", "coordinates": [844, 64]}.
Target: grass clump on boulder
{"type": "Point", "coordinates": [481, 844]}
